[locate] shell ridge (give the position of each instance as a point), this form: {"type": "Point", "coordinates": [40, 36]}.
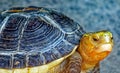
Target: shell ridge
{"type": "Point", "coordinates": [21, 32]}
{"type": "Point", "coordinates": [3, 24]}
{"type": "Point", "coordinates": [53, 22]}
{"type": "Point", "coordinates": [65, 23]}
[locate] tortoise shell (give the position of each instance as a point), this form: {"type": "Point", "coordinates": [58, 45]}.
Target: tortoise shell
{"type": "Point", "coordinates": [35, 36]}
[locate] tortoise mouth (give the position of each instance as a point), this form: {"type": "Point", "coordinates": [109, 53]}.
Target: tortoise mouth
{"type": "Point", "coordinates": [103, 51]}
{"type": "Point", "coordinates": [98, 53]}
{"type": "Point", "coordinates": [104, 48]}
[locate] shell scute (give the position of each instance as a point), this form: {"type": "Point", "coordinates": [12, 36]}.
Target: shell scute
{"type": "Point", "coordinates": [48, 56]}
{"type": "Point", "coordinates": [33, 24]}
{"type": "Point", "coordinates": [5, 61]}
{"type": "Point", "coordinates": [43, 37]}
{"type": "Point", "coordinates": [64, 48]}
{"type": "Point", "coordinates": [10, 31]}
{"type": "Point", "coordinates": [14, 22]}
{"type": "Point", "coordinates": [19, 61]}
{"type": "Point", "coordinates": [56, 54]}
{"type": "Point", "coordinates": [34, 60]}
{"type": "Point", "coordinates": [65, 23]}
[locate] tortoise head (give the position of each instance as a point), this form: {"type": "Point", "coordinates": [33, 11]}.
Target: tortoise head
{"type": "Point", "coordinates": [94, 47]}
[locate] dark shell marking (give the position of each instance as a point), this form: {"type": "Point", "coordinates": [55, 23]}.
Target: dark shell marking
{"type": "Point", "coordinates": [34, 36]}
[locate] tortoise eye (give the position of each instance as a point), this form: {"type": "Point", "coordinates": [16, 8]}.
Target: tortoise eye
{"type": "Point", "coordinates": [111, 38]}
{"type": "Point", "coordinates": [95, 39]}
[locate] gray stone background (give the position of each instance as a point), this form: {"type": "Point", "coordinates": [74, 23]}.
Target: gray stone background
{"type": "Point", "coordinates": [93, 15]}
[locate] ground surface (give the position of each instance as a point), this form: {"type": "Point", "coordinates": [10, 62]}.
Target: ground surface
{"type": "Point", "coordinates": [93, 15]}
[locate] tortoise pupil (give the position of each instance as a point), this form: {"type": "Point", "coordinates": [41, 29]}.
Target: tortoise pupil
{"type": "Point", "coordinates": [95, 39]}
{"type": "Point", "coordinates": [111, 38]}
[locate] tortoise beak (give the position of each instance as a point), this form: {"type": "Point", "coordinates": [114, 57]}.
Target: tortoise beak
{"type": "Point", "coordinates": [104, 48]}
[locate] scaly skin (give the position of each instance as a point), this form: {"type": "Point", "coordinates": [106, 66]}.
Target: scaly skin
{"type": "Point", "coordinates": [93, 48]}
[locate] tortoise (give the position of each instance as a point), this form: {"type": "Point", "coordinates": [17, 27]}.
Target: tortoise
{"type": "Point", "coordinates": [42, 40]}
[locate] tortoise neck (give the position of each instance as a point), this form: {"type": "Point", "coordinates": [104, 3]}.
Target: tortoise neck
{"type": "Point", "coordinates": [87, 67]}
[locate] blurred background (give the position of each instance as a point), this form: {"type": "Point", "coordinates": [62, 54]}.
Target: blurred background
{"type": "Point", "coordinates": [93, 15]}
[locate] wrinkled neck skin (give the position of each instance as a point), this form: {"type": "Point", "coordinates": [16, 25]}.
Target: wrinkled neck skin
{"type": "Point", "coordinates": [87, 64]}
{"type": "Point", "coordinates": [93, 69]}
{"type": "Point", "coordinates": [89, 68]}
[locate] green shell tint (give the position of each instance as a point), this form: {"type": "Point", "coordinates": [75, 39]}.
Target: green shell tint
{"type": "Point", "coordinates": [34, 36]}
